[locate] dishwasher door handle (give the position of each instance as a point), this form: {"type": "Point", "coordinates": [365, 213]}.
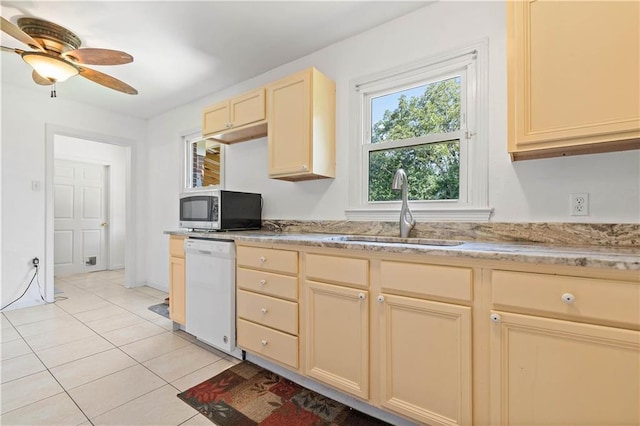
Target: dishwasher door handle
{"type": "Point", "coordinates": [204, 252]}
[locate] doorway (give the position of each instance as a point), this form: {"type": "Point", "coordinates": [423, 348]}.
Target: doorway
{"type": "Point", "coordinates": [100, 246]}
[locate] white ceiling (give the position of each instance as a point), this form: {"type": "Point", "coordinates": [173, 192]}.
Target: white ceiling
{"type": "Point", "coordinates": [185, 50]}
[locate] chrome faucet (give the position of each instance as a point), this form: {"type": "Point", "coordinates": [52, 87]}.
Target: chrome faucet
{"type": "Point", "coordinates": [407, 222]}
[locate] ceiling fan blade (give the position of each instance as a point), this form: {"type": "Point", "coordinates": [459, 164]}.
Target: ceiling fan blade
{"type": "Point", "coordinates": [40, 79]}
{"type": "Point", "coordinates": [12, 49]}
{"type": "Point", "coordinates": [92, 56]}
{"type": "Point", "coordinates": [18, 34]}
{"type": "Point", "coordinates": [107, 81]}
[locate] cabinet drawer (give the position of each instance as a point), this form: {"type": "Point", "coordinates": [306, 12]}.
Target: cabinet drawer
{"type": "Point", "coordinates": [276, 285]}
{"type": "Point", "coordinates": [268, 342]}
{"type": "Point", "coordinates": [176, 246]}
{"type": "Point", "coordinates": [345, 270]}
{"type": "Point", "coordinates": [588, 298]}
{"type": "Point", "coordinates": [428, 280]}
{"type": "Point", "coordinates": [268, 311]}
{"type": "Point", "coordinates": [266, 259]}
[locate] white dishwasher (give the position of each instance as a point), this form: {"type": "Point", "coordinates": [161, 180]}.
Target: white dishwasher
{"type": "Point", "coordinates": [211, 293]}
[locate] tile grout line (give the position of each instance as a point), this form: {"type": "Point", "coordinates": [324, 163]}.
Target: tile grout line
{"type": "Point", "coordinates": [64, 390]}
{"type": "Point", "coordinates": [119, 347]}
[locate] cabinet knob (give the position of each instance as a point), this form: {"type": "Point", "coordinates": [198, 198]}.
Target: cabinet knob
{"type": "Point", "coordinates": [380, 299]}
{"type": "Point", "coordinates": [304, 167]}
{"type": "Point", "coordinates": [262, 282]}
{"type": "Point", "coordinates": [263, 310]}
{"type": "Point", "coordinates": [262, 259]}
{"type": "Point", "coordinates": [568, 298]}
{"type": "Point", "coordinates": [361, 296]}
{"type": "Point", "coordinates": [495, 318]}
{"type": "Point", "coordinates": [263, 342]}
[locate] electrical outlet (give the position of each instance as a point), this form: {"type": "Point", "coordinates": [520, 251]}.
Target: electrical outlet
{"type": "Point", "coordinates": [579, 204]}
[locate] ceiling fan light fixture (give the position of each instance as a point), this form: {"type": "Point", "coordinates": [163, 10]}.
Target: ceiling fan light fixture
{"type": "Point", "coordinates": [50, 67]}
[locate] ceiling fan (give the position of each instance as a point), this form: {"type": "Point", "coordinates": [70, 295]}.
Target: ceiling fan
{"type": "Point", "coordinates": [57, 56]}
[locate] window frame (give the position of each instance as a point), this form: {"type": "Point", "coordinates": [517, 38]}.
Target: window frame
{"type": "Point", "coordinates": [185, 173]}
{"type": "Point", "coordinates": [470, 63]}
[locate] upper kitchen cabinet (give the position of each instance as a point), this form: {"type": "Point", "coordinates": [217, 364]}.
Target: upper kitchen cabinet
{"type": "Point", "coordinates": [573, 77]}
{"type": "Point", "coordinates": [237, 119]}
{"type": "Point", "coordinates": [301, 117]}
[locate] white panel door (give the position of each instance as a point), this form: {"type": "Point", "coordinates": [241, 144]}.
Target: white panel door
{"type": "Point", "coordinates": [80, 217]}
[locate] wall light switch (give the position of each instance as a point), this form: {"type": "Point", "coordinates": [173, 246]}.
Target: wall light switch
{"type": "Point", "coordinates": [35, 185]}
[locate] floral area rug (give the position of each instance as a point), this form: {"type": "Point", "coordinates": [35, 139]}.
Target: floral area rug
{"type": "Point", "coordinates": [247, 394]}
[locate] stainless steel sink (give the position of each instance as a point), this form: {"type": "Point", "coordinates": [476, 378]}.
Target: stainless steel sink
{"type": "Point", "coordinates": [394, 240]}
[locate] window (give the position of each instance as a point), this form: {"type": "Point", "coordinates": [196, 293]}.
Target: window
{"type": "Point", "coordinates": [425, 118]}
{"type": "Point", "coordinates": [204, 163]}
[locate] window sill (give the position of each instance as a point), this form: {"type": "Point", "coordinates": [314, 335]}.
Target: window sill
{"type": "Point", "coordinates": [423, 215]}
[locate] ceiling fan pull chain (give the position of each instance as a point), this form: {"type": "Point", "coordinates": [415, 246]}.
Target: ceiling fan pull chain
{"type": "Point", "coordinates": [53, 91]}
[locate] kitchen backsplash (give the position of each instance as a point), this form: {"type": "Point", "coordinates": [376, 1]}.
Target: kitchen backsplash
{"type": "Point", "coordinates": [603, 234]}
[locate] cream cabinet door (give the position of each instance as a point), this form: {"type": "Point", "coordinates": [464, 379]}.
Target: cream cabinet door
{"type": "Point", "coordinates": [216, 118]}
{"type": "Point", "coordinates": [425, 357]}
{"type": "Point", "coordinates": [301, 137]}
{"type": "Point", "coordinates": [289, 137]}
{"type": "Point", "coordinates": [573, 70]}
{"type": "Point", "coordinates": [553, 372]}
{"type": "Point", "coordinates": [177, 290]}
{"type": "Point", "coordinates": [247, 108]}
{"type": "Point", "coordinates": [337, 337]}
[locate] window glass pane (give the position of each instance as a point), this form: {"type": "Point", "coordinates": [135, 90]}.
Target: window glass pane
{"type": "Point", "coordinates": [203, 164]}
{"type": "Point", "coordinates": [419, 111]}
{"type": "Point", "coordinates": [433, 171]}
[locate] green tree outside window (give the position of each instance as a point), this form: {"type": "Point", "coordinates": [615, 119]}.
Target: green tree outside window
{"type": "Point", "coordinates": [433, 169]}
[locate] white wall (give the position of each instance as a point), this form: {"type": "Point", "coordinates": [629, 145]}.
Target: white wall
{"type": "Point", "coordinates": [529, 191]}
{"type": "Point", "coordinates": [114, 156]}
{"type": "Point", "coordinates": [26, 114]}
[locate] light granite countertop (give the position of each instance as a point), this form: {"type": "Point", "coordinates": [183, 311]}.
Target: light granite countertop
{"type": "Point", "coordinates": [606, 257]}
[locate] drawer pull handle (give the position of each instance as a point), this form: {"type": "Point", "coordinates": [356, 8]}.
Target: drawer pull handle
{"type": "Point", "coordinates": [263, 282]}
{"type": "Point", "coordinates": [362, 296]}
{"type": "Point", "coordinates": [568, 298]}
{"type": "Point", "coordinates": [263, 342]}
{"type": "Point", "coordinates": [495, 318]}
{"type": "Point", "coordinates": [263, 310]}
{"type": "Point", "coordinates": [380, 298]}
{"type": "Point", "coordinates": [262, 259]}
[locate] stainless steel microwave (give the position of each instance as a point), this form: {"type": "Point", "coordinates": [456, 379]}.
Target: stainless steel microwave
{"type": "Point", "coordinates": [220, 210]}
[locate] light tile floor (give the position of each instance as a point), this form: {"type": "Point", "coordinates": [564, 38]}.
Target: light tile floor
{"type": "Point", "coordinates": [99, 356]}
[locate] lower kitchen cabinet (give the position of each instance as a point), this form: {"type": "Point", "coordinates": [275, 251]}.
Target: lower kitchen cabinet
{"type": "Point", "coordinates": [557, 354]}
{"type": "Point", "coordinates": [337, 336]}
{"type": "Point", "coordinates": [449, 341]}
{"type": "Point", "coordinates": [177, 286]}
{"type": "Point", "coordinates": [425, 359]}
{"type": "Point", "coordinates": [268, 342]}
{"type": "Point", "coordinates": [267, 311]}
{"type": "Point", "coordinates": [550, 372]}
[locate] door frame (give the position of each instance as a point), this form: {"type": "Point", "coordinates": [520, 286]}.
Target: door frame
{"type": "Point", "coordinates": [51, 130]}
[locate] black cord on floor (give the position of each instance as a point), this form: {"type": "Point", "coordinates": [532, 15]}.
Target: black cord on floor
{"type": "Point", "coordinates": [35, 274]}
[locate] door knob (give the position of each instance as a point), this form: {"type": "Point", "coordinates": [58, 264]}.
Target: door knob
{"type": "Point", "coordinates": [104, 224]}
